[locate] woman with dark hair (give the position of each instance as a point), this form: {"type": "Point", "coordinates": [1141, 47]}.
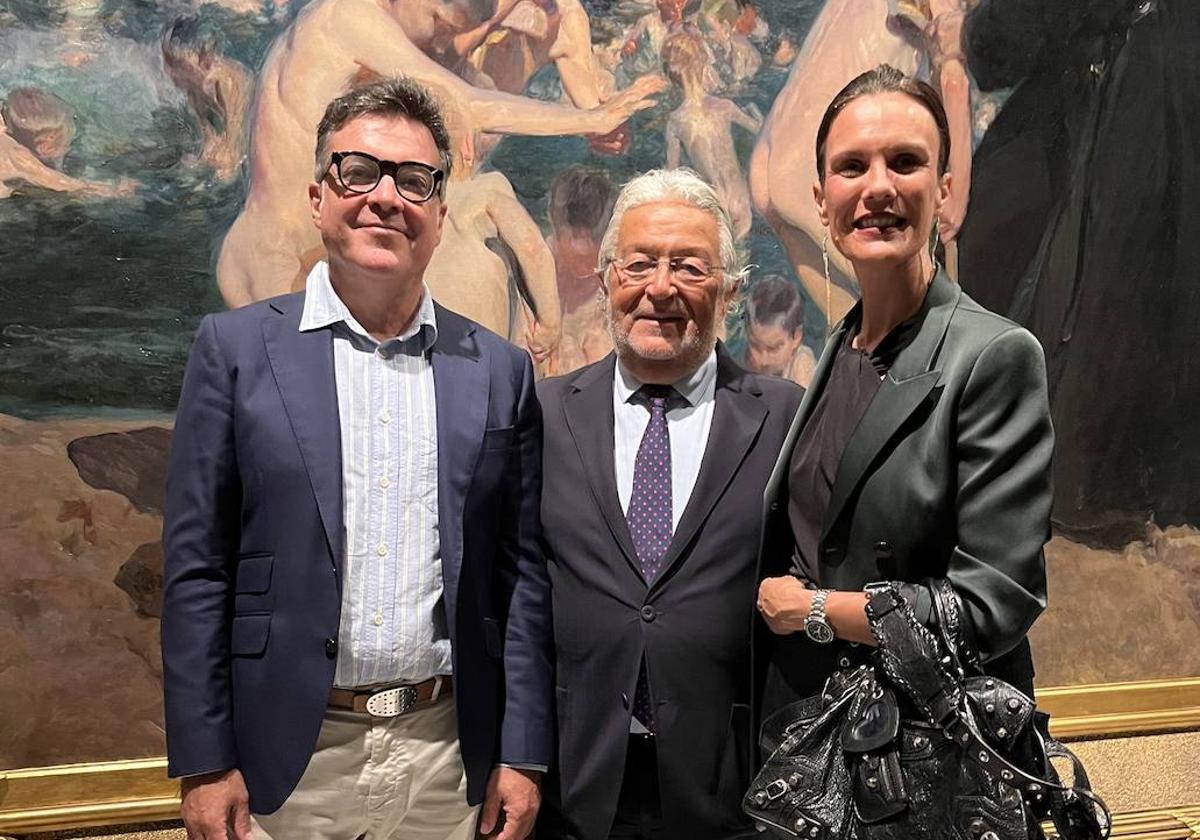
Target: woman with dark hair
{"type": "Point", "coordinates": [922, 448]}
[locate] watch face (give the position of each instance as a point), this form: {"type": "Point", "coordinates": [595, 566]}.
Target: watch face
{"type": "Point", "coordinates": [818, 631]}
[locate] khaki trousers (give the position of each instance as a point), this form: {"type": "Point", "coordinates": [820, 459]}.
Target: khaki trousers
{"type": "Point", "coordinates": [398, 778]}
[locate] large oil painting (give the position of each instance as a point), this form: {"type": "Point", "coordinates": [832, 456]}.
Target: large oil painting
{"type": "Point", "coordinates": [154, 156]}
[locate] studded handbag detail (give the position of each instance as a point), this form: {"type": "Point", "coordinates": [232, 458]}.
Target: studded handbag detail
{"type": "Point", "coordinates": [919, 745]}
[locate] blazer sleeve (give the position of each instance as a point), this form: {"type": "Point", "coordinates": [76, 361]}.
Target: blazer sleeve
{"type": "Point", "coordinates": [200, 540]}
{"type": "Point", "coordinates": [1004, 446]}
{"type": "Point", "coordinates": [526, 730]}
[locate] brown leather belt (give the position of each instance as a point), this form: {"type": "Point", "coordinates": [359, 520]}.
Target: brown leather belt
{"type": "Point", "coordinates": [391, 701]}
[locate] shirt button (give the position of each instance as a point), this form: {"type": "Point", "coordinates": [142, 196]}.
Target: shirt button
{"type": "Point", "coordinates": [381, 550]}
{"type": "Point", "coordinates": [331, 648]}
{"type": "Point", "coordinates": [385, 417]}
{"type": "Point", "coordinates": [385, 482]}
{"type": "Point", "coordinates": [378, 619]}
{"type": "Point", "coordinates": [648, 613]}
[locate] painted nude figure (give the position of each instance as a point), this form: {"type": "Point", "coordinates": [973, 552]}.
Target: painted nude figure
{"type": "Point", "coordinates": [525, 36]}
{"type": "Point", "coordinates": [702, 127]}
{"type": "Point", "coordinates": [331, 44]}
{"type": "Point", "coordinates": [522, 36]}
{"type": "Point", "coordinates": [36, 129]}
{"type": "Point", "coordinates": [217, 90]}
{"type": "Point", "coordinates": [580, 205]}
{"type": "Point", "coordinates": [848, 38]}
{"type": "Point", "coordinates": [492, 264]}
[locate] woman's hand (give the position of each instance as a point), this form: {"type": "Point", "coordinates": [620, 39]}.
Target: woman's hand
{"type": "Point", "coordinates": [784, 603]}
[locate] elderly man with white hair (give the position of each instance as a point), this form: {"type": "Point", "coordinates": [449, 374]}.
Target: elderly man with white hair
{"type": "Point", "coordinates": [657, 456]}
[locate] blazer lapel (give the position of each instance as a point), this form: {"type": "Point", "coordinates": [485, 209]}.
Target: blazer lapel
{"type": "Point", "coordinates": [911, 379]}
{"type": "Point", "coordinates": [588, 410]}
{"type": "Point", "coordinates": [302, 363]}
{"type": "Point", "coordinates": [462, 387]}
{"type": "Point", "coordinates": [738, 416]}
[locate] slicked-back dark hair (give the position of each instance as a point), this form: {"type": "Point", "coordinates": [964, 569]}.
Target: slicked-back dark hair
{"type": "Point", "coordinates": [887, 79]}
{"type": "Point", "coordinates": [398, 96]}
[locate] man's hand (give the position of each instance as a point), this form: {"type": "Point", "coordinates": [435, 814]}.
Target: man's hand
{"type": "Point", "coordinates": [216, 806]}
{"type": "Point", "coordinates": [784, 602]}
{"type": "Point", "coordinates": [515, 792]}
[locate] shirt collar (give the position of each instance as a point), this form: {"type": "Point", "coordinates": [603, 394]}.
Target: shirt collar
{"type": "Point", "coordinates": [323, 308]}
{"type": "Point", "coordinates": [696, 388]}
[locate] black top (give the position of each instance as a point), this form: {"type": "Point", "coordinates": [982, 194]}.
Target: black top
{"type": "Point", "coordinates": [854, 379]}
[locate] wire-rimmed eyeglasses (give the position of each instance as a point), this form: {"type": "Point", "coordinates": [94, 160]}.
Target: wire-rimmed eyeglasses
{"type": "Point", "coordinates": [639, 269]}
{"type": "Point", "coordinates": [360, 173]}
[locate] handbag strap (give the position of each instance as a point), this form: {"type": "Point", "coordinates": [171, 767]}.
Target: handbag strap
{"type": "Point", "coordinates": [908, 653]}
{"type": "Point", "coordinates": [959, 641]}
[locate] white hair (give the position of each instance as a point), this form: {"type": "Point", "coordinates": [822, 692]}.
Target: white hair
{"type": "Point", "coordinates": [682, 185]}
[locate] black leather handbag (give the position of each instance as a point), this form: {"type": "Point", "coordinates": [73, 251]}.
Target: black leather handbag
{"type": "Point", "coordinates": [920, 745]}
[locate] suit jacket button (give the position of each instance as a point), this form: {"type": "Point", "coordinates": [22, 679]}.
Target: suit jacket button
{"type": "Point", "coordinates": [331, 648]}
{"type": "Point", "coordinates": [648, 613]}
{"type": "Point", "coordinates": [883, 549]}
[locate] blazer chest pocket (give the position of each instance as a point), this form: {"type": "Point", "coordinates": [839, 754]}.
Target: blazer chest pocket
{"type": "Point", "coordinates": [498, 439]}
{"type": "Point", "coordinates": [249, 634]}
{"type": "Point", "coordinates": [252, 584]}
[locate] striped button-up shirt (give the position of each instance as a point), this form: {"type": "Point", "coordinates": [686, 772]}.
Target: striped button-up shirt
{"type": "Point", "coordinates": [393, 624]}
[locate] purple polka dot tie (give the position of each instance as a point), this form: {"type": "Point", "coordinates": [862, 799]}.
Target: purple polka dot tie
{"type": "Point", "coordinates": [649, 513]}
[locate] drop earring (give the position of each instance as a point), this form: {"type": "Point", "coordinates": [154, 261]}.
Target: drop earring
{"type": "Point", "coordinates": [828, 284]}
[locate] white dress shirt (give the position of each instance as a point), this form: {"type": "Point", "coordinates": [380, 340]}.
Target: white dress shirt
{"type": "Point", "coordinates": [687, 425]}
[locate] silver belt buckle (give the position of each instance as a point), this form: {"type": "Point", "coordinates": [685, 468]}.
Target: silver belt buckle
{"type": "Point", "coordinates": [392, 702]}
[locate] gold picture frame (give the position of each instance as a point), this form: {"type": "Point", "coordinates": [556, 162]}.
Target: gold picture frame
{"type": "Point", "coordinates": [125, 792]}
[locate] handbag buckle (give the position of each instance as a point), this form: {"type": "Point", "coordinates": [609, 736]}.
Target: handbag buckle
{"type": "Point", "coordinates": [776, 789]}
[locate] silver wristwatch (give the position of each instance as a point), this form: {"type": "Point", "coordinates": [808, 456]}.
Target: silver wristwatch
{"type": "Point", "coordinates": [816, 626]}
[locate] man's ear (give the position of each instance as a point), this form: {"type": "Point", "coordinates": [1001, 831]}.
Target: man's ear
{"type": "Point", "coordinates": [314, 202]}
{"type": "Point", "coordinates": [729, 294]}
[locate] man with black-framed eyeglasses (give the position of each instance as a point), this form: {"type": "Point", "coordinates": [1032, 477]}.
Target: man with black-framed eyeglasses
{"type": "Point", "coordinates": [650, 516]}
{"type": "Point", "coordinates": [356, 626]}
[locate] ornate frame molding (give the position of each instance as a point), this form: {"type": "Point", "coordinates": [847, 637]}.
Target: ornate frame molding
{"type": "Point", "coordinates": [1182, 823]}
{"type": "Point", "coordinates": [135, 791]}
{"type": "Point", "coordinates": [1108, 710]}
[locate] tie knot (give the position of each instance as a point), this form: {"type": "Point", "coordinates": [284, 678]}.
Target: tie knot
{"type": "Point", "coordinates": [657, 395]}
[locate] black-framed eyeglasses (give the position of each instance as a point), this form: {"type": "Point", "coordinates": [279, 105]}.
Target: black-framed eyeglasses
{"type": "Point", "coordinates": [360, 173]}
{"type": "Point", "coordinates": [638, 269]}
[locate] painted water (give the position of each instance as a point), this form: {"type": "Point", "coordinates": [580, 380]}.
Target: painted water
{"type": "Point", "coordinates": [99, 298]}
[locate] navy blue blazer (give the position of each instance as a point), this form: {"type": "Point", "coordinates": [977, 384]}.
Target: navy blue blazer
{"type": "Point", "coordinates": [253, 541]}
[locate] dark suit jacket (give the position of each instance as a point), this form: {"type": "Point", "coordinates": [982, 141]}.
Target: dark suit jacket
{"type": "Point", "coordinates": [253, 541]}
{"type": "Point", "coordinates": [692, 624]}
{"type": "Point", "coordinates": [946, 475]}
